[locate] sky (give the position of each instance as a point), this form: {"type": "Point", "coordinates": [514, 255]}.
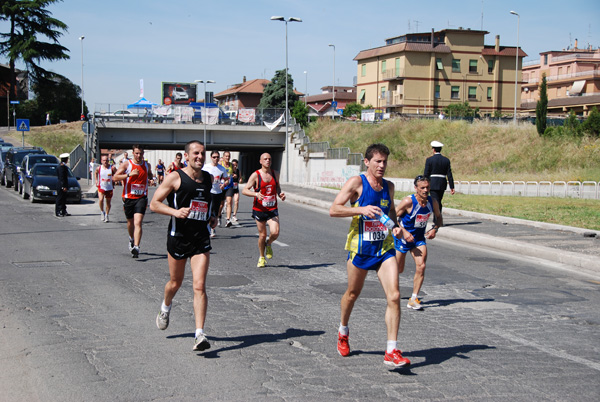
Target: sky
{"type": "Point", "coordinates": [186, 40]}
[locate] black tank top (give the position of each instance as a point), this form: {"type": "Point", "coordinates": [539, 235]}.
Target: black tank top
{"type": "Point", "coordinates": [197, 196]}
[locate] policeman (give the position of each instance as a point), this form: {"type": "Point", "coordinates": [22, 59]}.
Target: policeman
{"type": "Point", "coordinates": [437, 168]}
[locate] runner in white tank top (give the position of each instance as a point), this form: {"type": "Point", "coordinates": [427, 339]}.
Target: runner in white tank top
{"type": "Point", "coordinates": [104, 179]}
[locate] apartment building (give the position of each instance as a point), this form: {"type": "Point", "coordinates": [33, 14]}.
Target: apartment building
{"type": "Point", "coordinates": [425, 72]}
{"type": "Point", "coordinates": [572, 78]}
{"type": "Point", "coordinates": [239, 96]}
{"type": "Point", "coordinates": [320, 105]}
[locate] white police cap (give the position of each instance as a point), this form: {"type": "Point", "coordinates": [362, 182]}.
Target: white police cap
{"type": "Point", "coordinates": [63, 156]}
{"type": "Point", "coordinates": [436, 144]}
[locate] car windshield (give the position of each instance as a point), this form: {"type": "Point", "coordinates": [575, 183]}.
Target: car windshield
{"type": "Point", "coordinates": [19, 156]}
{"type": "Point", "coordinates": [45, 170]}
{"type": "Point", "coordinates": [42, 159]}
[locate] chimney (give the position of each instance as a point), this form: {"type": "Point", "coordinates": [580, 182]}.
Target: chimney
{"type": "Point", "coordinates": [244, 80]}
{"type": "Point", "coordinates": [575, 43]}
{"type": "Point", "coordinates": [431, 37]}
{"type": "Point", "coordinates": [497, 47]}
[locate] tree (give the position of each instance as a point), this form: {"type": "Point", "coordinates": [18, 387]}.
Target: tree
{"type": "Point", "coordinates": [541, 109]}
{"type": "Point", "coordinates": [56, 95]}
{"type": "Point", "coordinates": [300, 113]}
{"type": "Point", "coordinates": [571, 125]}
{"type": "Point", "coordinates": [353, 109]}
{"type": "Point", "coordinates": [274, 93]}
{"type": "Point", "coordinates": [461, 110]}
{"type": "Point", "coordinates": [592, 123]}
{"type": "Point", "coordinates": [29, 21]}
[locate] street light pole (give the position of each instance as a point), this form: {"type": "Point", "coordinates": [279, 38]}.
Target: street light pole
{"type": "Point", "coordinates": [205, 113]}
{"type": "Point", "coordinates": [81, 38]}
{"type": "Point", "coordinates": [333, 101]}
{"type": "Point", "coordinates": [287, 156]}
{"type": "Point", "coordinates": [305, 87]}
{"type": "Point", "coordinates": [516, 63]}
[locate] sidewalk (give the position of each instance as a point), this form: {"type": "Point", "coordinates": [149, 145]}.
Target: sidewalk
{"type": "Point", "coordinates": [579, 248]}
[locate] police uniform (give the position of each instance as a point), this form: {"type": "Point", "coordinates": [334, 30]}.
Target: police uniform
{"type": "Point", "coordinates": [368, 242]}
{"type": "Point", "coordinates": [189, 236]}
{"type": "Point", "coordinates": [437, 168]}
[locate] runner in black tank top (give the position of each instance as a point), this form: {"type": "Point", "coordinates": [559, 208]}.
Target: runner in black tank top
{"type": "Point", "coordinates": [196, 196]}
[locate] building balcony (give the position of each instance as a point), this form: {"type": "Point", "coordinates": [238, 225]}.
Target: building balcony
{"type": "Point", "coordinates": [565, 77]}
{"type": "Point", "coordinates": [394, 98]}
{"type": "Point", "coordinates": [392, 74]}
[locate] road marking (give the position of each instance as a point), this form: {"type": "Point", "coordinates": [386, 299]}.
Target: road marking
{"type": "Point", "coordinates": [280, 244]}
{"type": "Point", "coordinates": [557, 353]}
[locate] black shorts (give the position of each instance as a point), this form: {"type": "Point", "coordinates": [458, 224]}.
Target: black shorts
{"type": "Point", "coordinates": [186, 247]}
{"type": "Point", "coordinates": [216, 202]}
{"type": "Point", "coordinates": [229, 192]}
{"type": "Point", "coordinates": [264, 216]}
{"type": "Point", "coordinates": [133, 206]}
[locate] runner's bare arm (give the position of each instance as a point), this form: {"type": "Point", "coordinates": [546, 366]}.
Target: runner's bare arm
{"type": "Point", "coordinates": [280, 193]}
{"type": "Point", "coordinates": [249, 187]}
{"type": "Point", "coordinates": [157, 205]}
{"type": "Point", "coordinates": [438, 221]}
{"type": "Point", "coordinates": [350, 192]}
{"type": "Point", "coordinates": [402, 208]}
{"type": "Point", "coordinates": [120, 174]}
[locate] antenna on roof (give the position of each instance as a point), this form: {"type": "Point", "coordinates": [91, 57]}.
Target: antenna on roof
{"type": "Point", "coordinates": [482, 15]}
{"type": "Point", "coordinates": [417, 22]}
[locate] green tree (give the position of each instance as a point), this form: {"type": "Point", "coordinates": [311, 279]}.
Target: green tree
{"type": "Point", "coordinates": [300, 113]}
{"type": "Point", "coordinates": [592, 123]}
{"type": "Point", "coordinates": [56, 95]}
{"type": "Point", "coordinates": [461, 110]}
{"type": "Point", "coordinates": [541, 109]}
{"type": "Point", "coordinates": [274, 93]}
{"type": "Point", "coordinates": [572, 126]}
{"type": "Point", "coordinates": [353, 109]}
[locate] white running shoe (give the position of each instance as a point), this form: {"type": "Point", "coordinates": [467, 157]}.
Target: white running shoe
{"type": "Point", "coordinates": [234, 218]}
{"type": "Point", "coordinates": [106, 218]}
{"type": "Point", "coordinates": [102, 216]}
{"type": "Point", "coordinates": [201, 343]}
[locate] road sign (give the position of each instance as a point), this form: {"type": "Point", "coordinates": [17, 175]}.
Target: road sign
{"type": "Point", "coordinates": [340, 111]}
{"type": "Point", "coordinates": [14, 102]}
{"type": "Point", "coordinates": [334, 104]}
{"type": "Point", "coordinates": [87, 127]}
{"type": "Point", "coordinates": [22, 124]}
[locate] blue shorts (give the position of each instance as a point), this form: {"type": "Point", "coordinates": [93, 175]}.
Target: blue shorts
{"type": "Point", "coordinates": [369, 262]}
{"type": "Point", "coordinates": [404, 246]}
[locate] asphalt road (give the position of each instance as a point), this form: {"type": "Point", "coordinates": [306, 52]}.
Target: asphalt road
{"type": "Point", "coordinates": [78, 318]}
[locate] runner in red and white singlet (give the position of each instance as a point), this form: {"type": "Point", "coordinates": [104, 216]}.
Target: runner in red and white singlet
{"type": "Point", "coordinates": [105, 179]}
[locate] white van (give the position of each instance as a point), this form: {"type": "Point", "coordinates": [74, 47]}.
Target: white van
{"type": "Point", "coordinates": [232, 114]}
{"type": "Point", "coordinates": [180, 94]}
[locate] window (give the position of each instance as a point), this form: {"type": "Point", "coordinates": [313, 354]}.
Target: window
{"type": "Point", "coordinates": [545, 59]}
{"type": "Point", "coordinates": [382, 93]}
{"type": "Point", "coordinates": [472, 66]}
{"type": "Point", "coordinates": [438, 64]}
{"type": "Point", "coordinates": [383, 66]}
{"type": "Point", "coordinates": [363, 71]}
{"type": "Point", "coordinates": [454, 92]}
{"type": "Point", "coordinates": [472, 93]}
{"type": "Point", "coordinates": [437, 92]}
{"type": "Point", "coordinates": [455, 65]}
{"type": "Point", "coordinates": [361, 98]}
{"type": "Point", "coordinates": [397, 66]}
{"type": "Point", "coordinates": [489, 93]}
{"type": "Point", "coordinates": [490, 66]}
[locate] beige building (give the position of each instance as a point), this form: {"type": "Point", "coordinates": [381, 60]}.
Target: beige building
{"type": "Point", "coordinates": [572, 79]}
{"type": "Point", "coordinates": [425, 72]}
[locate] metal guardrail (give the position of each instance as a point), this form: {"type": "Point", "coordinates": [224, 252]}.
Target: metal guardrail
{"type": "Point", "coordinates": [563, 189]}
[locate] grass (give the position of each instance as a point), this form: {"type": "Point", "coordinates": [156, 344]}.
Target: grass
{"type": "Point", "coordinates": [55, 139]}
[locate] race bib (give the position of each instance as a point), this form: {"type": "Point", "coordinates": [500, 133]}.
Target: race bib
{"type": "Point", "coordinates": [235, 185]}
{"type": "Point", "coordinates": [198, 210]}
{"type": "Point", "coordinates": [269, 201]}
{"type": "Point", "coordinates": [138, 189]}
{"type": "Point", "coordinates": [421, 220]}
{"type": "Point", "coordinates": [374, 231]}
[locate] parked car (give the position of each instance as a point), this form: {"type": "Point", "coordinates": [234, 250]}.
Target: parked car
{"type": "Point", "coordinates": [28, 163]}
{"type": "Point", "coordinates": [42, 182]}
{"type": "Point", "coordinates": [180, 94]}
{"type": "Point", "coordinates": [12, 163]}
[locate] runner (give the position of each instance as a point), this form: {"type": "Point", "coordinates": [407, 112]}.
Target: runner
{"type": "Point", "coordinates": [414, 212]}
{"type": "Point", "coordinates": [236, 189]}
{"type": "Point", "coordinates": [176, 164]}
{"type": "Point", "coordinates": [228, 189]}
{"type": "Point", "coordinates": [104, 177]}
{"type": "Point", "coordinates": [263, 186]}
{"type": "Point", "coordinates": [370, 247]}
{"type": "Point", "coordinates": [136, 173]}
{"type": "Point", "coordinates": [160, 171]}
{"type": "Point", "coordinates": [188, 196]}
{"type": "Point", "coordinates": [219, 175]}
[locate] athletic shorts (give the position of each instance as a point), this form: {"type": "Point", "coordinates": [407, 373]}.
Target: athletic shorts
{"type": "Point", "coordinates": [369, 262]}
{"type": "Point", "coordinates": [133, 206]}
{"type": "Point", "coordinates": [404, 246]}
{"type": "Point", "coordinates": [229, 192]}
{"type": "Point", "coordinates": [264, 216]}
{"type": "Point", "coordinates": [186, 247]}
{"type": "Point", "coordinates": [107, 193]}
{"type": "Point", "coordinates": [216, 202]}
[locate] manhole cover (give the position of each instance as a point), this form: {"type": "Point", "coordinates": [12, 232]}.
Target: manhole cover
{"type": "Point", "coordinates": [40, 264]}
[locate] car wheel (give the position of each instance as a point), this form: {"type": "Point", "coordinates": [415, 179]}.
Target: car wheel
{"type": "Point", "coordinates": [7, 183]}
{"type": "Point", "coordinates": [23, 193]}
{"type": "Point", "coordinates": [20, 189]}
{"type": "Point", "coordinates": [15, 185]}
{"type": "Point", "coordinates": [31, 197]}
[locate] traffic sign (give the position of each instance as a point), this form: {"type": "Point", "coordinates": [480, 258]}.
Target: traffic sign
{"type": "Point", "coordinates": [340, 111]}
{"type": "Point", "coordinates": [88, 127]}
{"type": "Point", "coordinates": [14, 102]}
{"type": "Point", "coordinates": [334, 104]}
{"type": "Point", "coordinates": [22, 124]}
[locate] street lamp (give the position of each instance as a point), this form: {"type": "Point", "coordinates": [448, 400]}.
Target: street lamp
{"type": "Point", "coordinates": [287, 156]}
{"type": "Point", "coordinates": [516, 63]}
{"type": "Point", "coordinates": [305, 87]}
{"type": "Point", "coordinates": [333, 102]}
{"type": "Point", "coordinates": [81, 38]}
{"type": "Point", "coordinates": [205, 113]}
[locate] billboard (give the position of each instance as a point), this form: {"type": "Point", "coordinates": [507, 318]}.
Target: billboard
{"type": "Point", "coordinates": [178, 93]}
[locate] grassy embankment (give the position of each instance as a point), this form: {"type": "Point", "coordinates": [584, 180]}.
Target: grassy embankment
{"type": "Point", "coordinates": [55, 139]}
{"type": "Point", "coordinates": [482, 151]}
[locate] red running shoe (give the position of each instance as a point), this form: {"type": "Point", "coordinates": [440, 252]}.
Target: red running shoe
{"type": "Point", "coordinates": [343, 346]}
{"type": "Point", "coordinates": [395, 359]}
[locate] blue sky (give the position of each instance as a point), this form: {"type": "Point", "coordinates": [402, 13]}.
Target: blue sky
{"type": "Point", "coordinates": [186, 40]}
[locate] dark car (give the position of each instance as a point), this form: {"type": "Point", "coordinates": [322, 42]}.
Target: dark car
{"type": "Point", "coordinates": [42, 182]}
{"type": "Point", "coordinates": [29, 161]}
{"type": "Point", "coordinates": [12, 163]}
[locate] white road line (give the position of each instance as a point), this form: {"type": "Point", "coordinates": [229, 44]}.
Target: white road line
{"type": "Point", "coordinates": [280, 244]}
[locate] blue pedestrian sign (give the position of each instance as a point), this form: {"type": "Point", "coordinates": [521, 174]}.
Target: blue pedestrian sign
{"type": "Point", "coordinates": [334, 104]}
{"type": "Point", "coordinates": [22, 124]}
{"type": "Point", "coordinates": [340, 111]}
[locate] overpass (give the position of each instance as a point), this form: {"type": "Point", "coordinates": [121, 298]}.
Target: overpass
{"type": "Point", "coordinates": [249, 140]}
